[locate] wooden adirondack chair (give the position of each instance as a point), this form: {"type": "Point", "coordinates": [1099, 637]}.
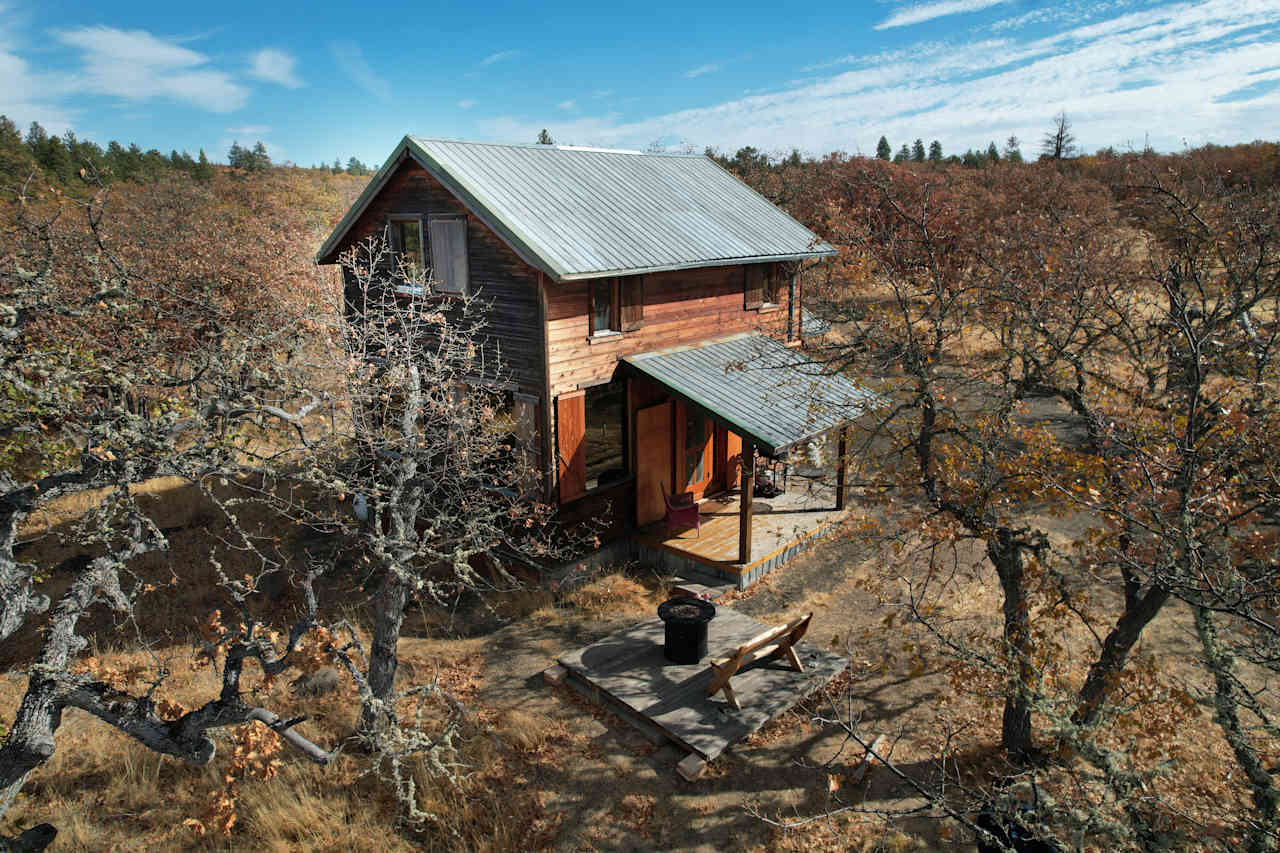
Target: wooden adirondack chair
{"type": "Point", "coordinates": [680, 515]}
{"type": "Point", "coordinates": [772, 643]}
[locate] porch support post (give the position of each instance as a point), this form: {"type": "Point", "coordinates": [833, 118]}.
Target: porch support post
{"type": "Point", "coordinates": [842, 479]}
{"type": "Point", "coordinates": [748, 488]}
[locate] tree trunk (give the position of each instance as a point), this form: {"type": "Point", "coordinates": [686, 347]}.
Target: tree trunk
{"type": "Point", "coordinates": [1006, 555]}
{"type": "Point", "coordinates": [1138, 612]}
{"type": "Point", "coordinates": [1220, 661]}
{"type": "Point", "coordinates": [388, 616]}
{"type": "Point", "coordinates": [29, 742]}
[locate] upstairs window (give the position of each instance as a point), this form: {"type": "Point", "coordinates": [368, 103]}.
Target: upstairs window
{"type": "Point", "coordinates": [762, 288]}
{"type": "Point", "coordinates": [773, 280]}
{"type": "Point", "coordinates": [449, 264]}
{"type": "Point", "coordinates": [406, 247]}
{"type": "Point", "coordinates": [617, 304]}
{"type": "Point", "coordinates": [604, 306]}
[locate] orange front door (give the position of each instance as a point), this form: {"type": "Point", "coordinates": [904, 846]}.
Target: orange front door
{"type": "Point", "coordinates": [654, 455]}
{"type": "Point", "coordinates": [697, 434]}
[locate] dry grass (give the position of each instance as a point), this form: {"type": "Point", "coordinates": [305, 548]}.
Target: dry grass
{"type": "Point", "coordinates": [615, 595]}
{"type": "Point", "coordinates": [104, 791]}
{"type": "Point", "coordinates": [533, 779]}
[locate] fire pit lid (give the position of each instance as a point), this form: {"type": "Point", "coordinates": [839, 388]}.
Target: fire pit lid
{"type": "Point", "coordinates": [687, 609]}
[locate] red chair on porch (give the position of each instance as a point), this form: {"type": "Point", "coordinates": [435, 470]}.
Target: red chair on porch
{"type": "Point", "coordinates": [680, 514]}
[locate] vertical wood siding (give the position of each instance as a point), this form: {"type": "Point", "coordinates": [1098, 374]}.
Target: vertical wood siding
{"type": "Point", "coordinates": [497, 274]}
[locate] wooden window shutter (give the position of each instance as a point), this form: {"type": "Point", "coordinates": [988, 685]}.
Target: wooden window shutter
{"type": "Point", "coordinates": [754, 289]}
{"type": "Point", "coordinates": [571, 429]}
{"type": "Point", "coordinates": [632, 297]}
{"type": "Point", "coordinates": [448, 240]}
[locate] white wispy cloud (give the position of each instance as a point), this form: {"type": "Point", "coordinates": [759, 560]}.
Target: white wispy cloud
{"type": "Point", "coordinates": [138, 65]}
{"type": "Point", "coordinates": [920, 13]}
{"type": "Point", "coordinates": [275, 66]}
{"type": "Point", "coordinates": [709, 68]}
{"type": "Point", "coordinates": [568, 105]}
{"type": "Point", "coordinates": [250, 130]}
{"type": "Point", "coordinates": [1186, 72]}
{"type": "Point", "coordinates": [350, 59]}
{"type": "Point", "coordinates": [466, 103]}
{"type": "Point", "coordinates": [28, 95]}
{"type": "Point", "coordinates": [499, 56]}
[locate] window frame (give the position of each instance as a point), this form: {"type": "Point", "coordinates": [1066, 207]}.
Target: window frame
{"type": "Point", "coordinates": [767, 294]}
{"type": "Point", "coordinates": [396, 243]}
{"type": "Point", "coordinates": [465, 287]}
{"type": "Point", "coordinates": [617, 386]}
{"type": "Point", "coordinates": [771, 287]}
{"type": "Point", "coordinates": [615, 320]}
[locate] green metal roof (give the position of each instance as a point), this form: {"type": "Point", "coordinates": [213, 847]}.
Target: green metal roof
{"type": "Point", "coordinates": [580, 213]}
{"type": "Point", "coordinates": [762, 389]}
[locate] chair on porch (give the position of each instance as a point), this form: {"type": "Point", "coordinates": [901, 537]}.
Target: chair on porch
{"type": "Point", "coordinates": [680, 514]}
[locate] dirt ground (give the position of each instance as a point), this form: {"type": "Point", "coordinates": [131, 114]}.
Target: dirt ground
{"type": "Point", "coordinates": [549, 770]}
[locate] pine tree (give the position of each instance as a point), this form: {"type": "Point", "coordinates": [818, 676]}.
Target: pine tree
{"type": "Point", "coordinates": [883, 151]}
{"type": "Point", "coordinates": [260, 161]}
{"type": "Point", "coordinates": [15, 159]}
{"type": "Point", "coordinates": [917, 151]}
{"type": "Point", "coordinates": [237, 156]}
{"type": "Point", "coordinates": [993, 154]}
{"type": "Point", "coordinates": [10, 136]}
{"type": "Point", "coordinates": [37, 140]}
{"type": "Point", "coordinates": [935, 151]}
{"type": "Point", "coordinates": [544, 138]}
{"type": "Point", "coordinates": [57, 161]}
{"type": "Point", "coordinates": [203, 171]}
{"type": "Point", "coordinates": [1011, 150]}
{"type": "Point", "coordinates": [903, 155]}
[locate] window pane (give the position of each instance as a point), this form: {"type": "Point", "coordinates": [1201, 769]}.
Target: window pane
{"type": "Point", "coordinates": [409, 234]}
{"type": "Point", "coordinates": [695, 445]}
{"type": "Point", "coordinates": [601, 306]}
{"type": "Point", "coordinates": [605, 410]}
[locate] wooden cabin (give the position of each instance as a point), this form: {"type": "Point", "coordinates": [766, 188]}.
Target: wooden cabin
{"type": "Point", "coordinates": [621, 286]}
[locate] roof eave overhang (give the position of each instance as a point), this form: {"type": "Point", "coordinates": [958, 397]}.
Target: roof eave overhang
{"type": "Point", "coordinates": [698, 264]}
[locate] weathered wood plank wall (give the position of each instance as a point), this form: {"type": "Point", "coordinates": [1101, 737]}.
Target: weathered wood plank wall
{"type": "Point", "coordinates": [498, 274]}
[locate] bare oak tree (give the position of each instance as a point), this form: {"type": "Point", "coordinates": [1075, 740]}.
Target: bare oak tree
{"type": "Point", "coordinates": [113, 377]}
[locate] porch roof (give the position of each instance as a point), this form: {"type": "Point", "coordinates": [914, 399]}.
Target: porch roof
{"type": "Point", "coordinates": [761, 389]}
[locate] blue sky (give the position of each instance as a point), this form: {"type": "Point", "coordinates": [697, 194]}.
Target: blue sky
{"type": "Point", "coordinates": [330, 80]}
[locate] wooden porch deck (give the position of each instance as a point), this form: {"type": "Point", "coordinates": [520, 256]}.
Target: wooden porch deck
{"type": "Point", "coordinates": [628, 673]}
{"type": "Point", "coordinates": [779, 525]}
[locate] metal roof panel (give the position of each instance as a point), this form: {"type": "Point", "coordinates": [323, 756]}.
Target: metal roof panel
{"type": "Point", "coordinates": [582, 213]}
{"type": "Point", "coordinates": [760, 387]}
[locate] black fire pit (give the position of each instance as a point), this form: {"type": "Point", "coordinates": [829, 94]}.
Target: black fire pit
{"type": "Point", "coordinates": [685, 619]}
